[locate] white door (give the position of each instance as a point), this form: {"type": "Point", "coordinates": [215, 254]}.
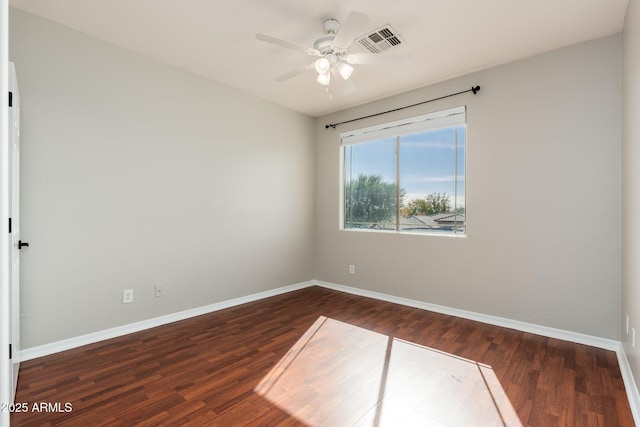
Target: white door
{"type": "Point", "coordinates": [14, 215]}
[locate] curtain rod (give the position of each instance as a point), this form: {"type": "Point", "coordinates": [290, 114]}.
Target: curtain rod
{"type": "Point", "coordinates": [473, 89]}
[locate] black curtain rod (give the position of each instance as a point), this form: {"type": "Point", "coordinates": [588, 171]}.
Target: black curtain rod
{"type": "Point", "coordinates": [474, 89]}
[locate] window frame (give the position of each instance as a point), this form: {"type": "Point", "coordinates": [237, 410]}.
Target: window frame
{"type": "Point", "coordinates": [450, 117]}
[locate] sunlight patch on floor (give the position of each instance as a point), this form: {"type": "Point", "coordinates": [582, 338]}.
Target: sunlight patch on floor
{"type": "Point", "coordinates": [340, 374]}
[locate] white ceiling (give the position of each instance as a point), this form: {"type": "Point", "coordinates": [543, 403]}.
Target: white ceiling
{"type": "Point", "coordinates": [445, 38]}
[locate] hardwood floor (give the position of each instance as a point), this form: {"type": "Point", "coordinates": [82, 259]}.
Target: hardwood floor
{"type": "Point", "coordinates": [325, 358]}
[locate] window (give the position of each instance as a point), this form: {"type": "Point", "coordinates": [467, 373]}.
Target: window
{"type": "Point", "coordinates": [407, 176]}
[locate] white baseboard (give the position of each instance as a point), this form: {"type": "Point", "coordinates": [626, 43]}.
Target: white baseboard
{"type": "Point", "coordinates": [68, 344]}
{"type": "Point", "coordinates": [560, 334]}
{"type": "Point", "coordinates": [607, 344]}
{"type": "Point", "coordinates": [630, 385]}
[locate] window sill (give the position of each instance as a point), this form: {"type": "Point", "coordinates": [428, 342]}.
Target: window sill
{"type": "Point", "coordinates": [404, 232]}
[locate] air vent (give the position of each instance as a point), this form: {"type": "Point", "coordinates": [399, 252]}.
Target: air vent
{"type": "Point", "coordinates": [382, 39]}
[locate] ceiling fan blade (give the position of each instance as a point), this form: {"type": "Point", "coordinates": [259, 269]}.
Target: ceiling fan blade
{"type": "Point", "coordinates": [377, 59]}
{"type": "Point", "coordinates": [351, 28]}
{"type": "Point", "coordinates": [286, 43]}
{"type": "Point", "coordinates": [293, 73]}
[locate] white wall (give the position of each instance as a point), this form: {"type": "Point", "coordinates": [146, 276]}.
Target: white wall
{"type": "Point", "coordinates": [137, 174]}
{"type": "Point", "coordinates": [631, 184]}
{"type": "Point", "coordinates": [543, 198]}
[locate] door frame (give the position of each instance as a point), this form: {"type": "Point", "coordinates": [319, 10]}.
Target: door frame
{"type": "Point", "coordinates": [5, 328]}
{"type": "Point", "coordinates": [14, 228]}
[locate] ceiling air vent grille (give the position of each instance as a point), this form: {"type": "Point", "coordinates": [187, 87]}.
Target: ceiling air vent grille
{"type": "Point", "coordinates": [382, 39]}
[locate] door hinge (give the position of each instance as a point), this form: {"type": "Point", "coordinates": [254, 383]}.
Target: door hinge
{"type": "Point", "coordinates": [10, 99]}
{"type": "Point", "coordinates": [9, 225]}
{"type": "Point", "coordinates": [10, 351]}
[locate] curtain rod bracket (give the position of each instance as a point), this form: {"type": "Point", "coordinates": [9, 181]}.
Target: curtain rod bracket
{"type": "Point", "coordinates": [473, 89]}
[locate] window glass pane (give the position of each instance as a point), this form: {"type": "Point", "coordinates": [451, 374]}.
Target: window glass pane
{"type": "Point", "coordinates": [370, 185]}
{"type": "Point", "coordinates": [428, 179]}
{"type": "Point", "coordinates": [432, 181]}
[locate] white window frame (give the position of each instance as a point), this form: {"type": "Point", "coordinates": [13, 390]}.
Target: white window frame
{"type": "Point", "coordinates": [450, 117]}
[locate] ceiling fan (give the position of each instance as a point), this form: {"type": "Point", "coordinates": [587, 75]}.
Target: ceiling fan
{"type": "Point", "coordinates": [332, 49]}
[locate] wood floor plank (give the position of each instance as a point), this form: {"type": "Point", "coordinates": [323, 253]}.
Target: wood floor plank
{"type": "Point", "coordinates": [325, 358]}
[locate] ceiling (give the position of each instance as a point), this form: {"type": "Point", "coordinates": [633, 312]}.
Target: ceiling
{"type": "Point", "coordinates": [216, 38]}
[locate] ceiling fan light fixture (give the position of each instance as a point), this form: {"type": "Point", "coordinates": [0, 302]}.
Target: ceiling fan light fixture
{"type": "Point", "coordinates": [324, 78]}
{"type": "Point", "coordinates": [345, 70]}
{"type": "Point", "coordinates": [323, 65]}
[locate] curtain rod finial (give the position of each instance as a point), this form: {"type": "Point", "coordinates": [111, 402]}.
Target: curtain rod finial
{"type": "Point", "coordinates": [475, 89]}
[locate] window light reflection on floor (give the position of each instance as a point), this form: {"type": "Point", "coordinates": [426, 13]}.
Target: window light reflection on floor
{"type": "Point", "coordinates": [340, 374]}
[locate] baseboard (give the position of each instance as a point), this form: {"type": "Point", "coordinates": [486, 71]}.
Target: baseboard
{"type": "Point", "coordinates": [68, 344]}
{"type": "Point", "coordinates": [630, 384]}
{"type": "Point", "coordinates": [46, 349]}
{"type": "Point", "coordinates": [561, 334]}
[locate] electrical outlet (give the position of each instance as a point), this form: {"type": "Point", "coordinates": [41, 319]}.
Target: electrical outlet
{"type": "Point", "coordinates": [159, 290]}
{"type": "Point", "coordinates": [352, 269]}
{"type": "Point", "coordinates": [127, 296]}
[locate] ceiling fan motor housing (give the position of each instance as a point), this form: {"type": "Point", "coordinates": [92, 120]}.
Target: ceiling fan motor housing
{"type": "Point", "coordinates": [331, 26]}
{"type": "Point", "coordinates": [324, 44]}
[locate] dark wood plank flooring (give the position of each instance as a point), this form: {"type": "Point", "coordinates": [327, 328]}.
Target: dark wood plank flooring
{"type": "Point", "coordinates": [325, 358]}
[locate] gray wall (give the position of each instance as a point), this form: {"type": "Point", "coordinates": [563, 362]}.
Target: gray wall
{"type": "Point", "coordinates": [631, 184]}
{"type": "Point", "coordinates": [543, 198]}
{"type": "Point", "coordinates": [136, 174]}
